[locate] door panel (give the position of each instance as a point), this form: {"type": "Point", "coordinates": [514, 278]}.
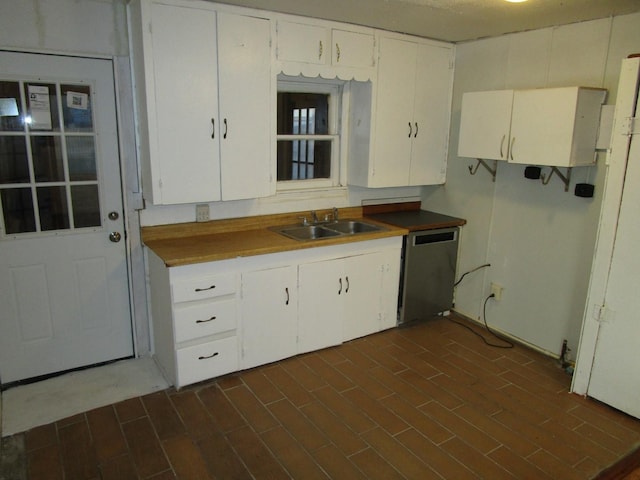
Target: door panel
{"type": "Point", "coordinates": [63, 282]}
{"type": "Point", "coordinates": [616, 370]}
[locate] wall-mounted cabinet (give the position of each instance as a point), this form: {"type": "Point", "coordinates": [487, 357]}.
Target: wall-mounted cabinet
{"type": "Point", "coordinates": [322, 45]}
{"type": "Point", "coordinates": [546, 126]}
{"type": "Point", "coordinates": [408, 131]}
{"type": "Point", "coordinates": [205, 96]}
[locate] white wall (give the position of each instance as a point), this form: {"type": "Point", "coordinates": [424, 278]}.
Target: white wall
{"type": "Point", "coordinates": [87, 27]}
{"type": "Point", "coordinates": [538, 239]}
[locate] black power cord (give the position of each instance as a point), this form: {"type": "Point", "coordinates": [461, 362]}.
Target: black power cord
{"type": "Point", "coordinates": [509, 344]}
{"type": "Point", "coordinates": [471, 271]}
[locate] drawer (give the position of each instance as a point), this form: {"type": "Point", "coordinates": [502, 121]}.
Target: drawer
{"type": "Point", "coordinates": [202, 319]}
{"type": "Point", "coordinates": [197, 288]}
{"type": "Point", "coordinates": [207, 360]}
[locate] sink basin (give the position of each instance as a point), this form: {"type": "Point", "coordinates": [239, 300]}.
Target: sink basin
{"type": "Point", "coordinates": [351, 227]}
{"type": "Point", "coordinates": [340, 228]}
{"type": "Point", "coordinates": [308, 232]}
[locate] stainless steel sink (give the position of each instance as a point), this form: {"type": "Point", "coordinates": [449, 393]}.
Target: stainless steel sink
{"type": "Point", "coordinates": [308, 232]}
{"type": "Point", "coordinates": [351, 227]}
{"type": "Point", "coordinates": [340, 228]}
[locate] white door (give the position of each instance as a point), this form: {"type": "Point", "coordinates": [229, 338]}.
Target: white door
{"type": "Point", "coordinates": [363, 284]}
{"type": "Point", "coordinates": [244, 58]}
{"type": "Point", "coordinates": [615, 375]}
{"type": "Point", "coordinates": [321, 296]}
{"type": "Point", "coordinates": [394, 117]}
{"type": "Point", "coordinates": [485, 123]}
{"type": "Point", "coordinates": [269, 315]}
{"type": "Point", "coordinates": [63, 269]}
{"type": "Point", "coordinates": [431, 115]}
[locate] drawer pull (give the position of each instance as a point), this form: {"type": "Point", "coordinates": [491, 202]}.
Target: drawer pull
{"type": "Point", "coordinates": [205, 289]}
{"type": "Point", "coordinates": [207, 320]}
{"type": "Point", "coordinates": [205, 357]}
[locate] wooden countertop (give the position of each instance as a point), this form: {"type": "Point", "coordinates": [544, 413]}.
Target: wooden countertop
{"type": "Point", "coordinates": [189, 243]}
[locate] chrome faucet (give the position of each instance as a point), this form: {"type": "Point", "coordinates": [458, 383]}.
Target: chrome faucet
{"type": "Point", "coordinates": [335, 214]}
{"type": "Point", "coordinates": [314, 217]}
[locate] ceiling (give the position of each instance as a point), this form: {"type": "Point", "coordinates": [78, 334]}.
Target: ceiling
{"type": "Point", "coordinates": [450, 20]}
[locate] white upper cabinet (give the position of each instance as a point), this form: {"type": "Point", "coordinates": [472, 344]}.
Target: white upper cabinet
{"type": "Point", "coordinates": [301, 42]}
{"type": "Point", "coordinates": [485, 125]}
{"type": "Point", "coordinates": [352, 49]}
{"type": "Point", "coordinates": [247, 97]}
{"type": "Point", "coordinates": [546, 126]}
{"type": "Point", "coordinates": [204, 97]}
{"type": "Point", "coordinates": [321, 46]}
{"type": "Point", "coordinates": [410, 117]}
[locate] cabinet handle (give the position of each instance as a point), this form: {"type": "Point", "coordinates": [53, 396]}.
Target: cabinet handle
{"type": "Point", "coordinates": [213, 128]}
{"type": "Point", "coordinates": [207, 320]}
{"type": "Point", "coordinates": [320, 50]}
{"type": "Point", "coordinates": [205, 289]}
{"type": "Point", "coordinates": [204, 357]}
{"type": "Point", "coordinates": [513, 140]}
{"type": "Point", "coordinates": [502, 145]}
{"type": "Point", "coordinates": [226, 127]}
{"type": "Point", "coordinates": [287, 292]}
{"type": "Point", "coordinates": [347, 289]}
{"type": "Point", "coordinates": [410, 130]}
{"type": "Point", "coordinates": [337, 53]}
{"type": "Point", "coordinates": [340, 290]}
{"type": "Point", "coordinates": [416, 134]}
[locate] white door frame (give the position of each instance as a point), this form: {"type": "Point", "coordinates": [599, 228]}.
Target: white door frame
{"type": "Point", "coordinates": [612, 198]}
{"type": "Point", "coordinates": [131, 193]}
{"type": "Point", "coordinates": [132, 203]}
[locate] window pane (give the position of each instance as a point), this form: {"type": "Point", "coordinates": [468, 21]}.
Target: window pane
{"type": "Point", "coordinates": [17, 206]}
{"type": "Point", "coordinates": [52, 205]}
{"type": "Point", "coordinates": [76, 108]}
{"type": "Point", "coordinates": [14, 166]}
{"type": "Point", "coordinates": [86, 206]}
{"type": "Point", "coordinates": [81, 155]}
{"type": "Point", "coordinates": [300, 113]}
{"type": "Point", "coordinates": [10, 107]}
{"type": "Point", "coordinates": [315, 162]}
{"type": "Point", "coordinates": [47, 159]}
{"type": "Point", "coordinates": [42, 107]}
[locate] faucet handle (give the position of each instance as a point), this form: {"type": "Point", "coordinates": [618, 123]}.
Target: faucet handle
{"type": "Point", "coordinates": [305, 222]}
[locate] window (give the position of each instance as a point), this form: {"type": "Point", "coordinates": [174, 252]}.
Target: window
{"type": "Point", "coordinates": [308, 134]}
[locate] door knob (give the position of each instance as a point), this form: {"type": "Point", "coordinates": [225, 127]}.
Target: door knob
{"type": "Point", "coordinates": [115, 237]}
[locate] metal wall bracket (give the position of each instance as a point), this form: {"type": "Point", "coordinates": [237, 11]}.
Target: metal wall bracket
{"type": "Point", "coordinates": [473, 170]}
{"type": "Point", "coordinates": [565, 179]}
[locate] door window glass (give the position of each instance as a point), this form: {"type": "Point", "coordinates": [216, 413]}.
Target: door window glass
{"type": "Point", "coordinates": [48, 168]}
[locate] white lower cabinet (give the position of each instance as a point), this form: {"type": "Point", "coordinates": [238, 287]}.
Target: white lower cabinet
{"type": "Point", "coordinates": [322, 290]}
{"type": "Point", "coordinates": [214, 318]}
{"type": "Point", "coordinates": [269, 315]}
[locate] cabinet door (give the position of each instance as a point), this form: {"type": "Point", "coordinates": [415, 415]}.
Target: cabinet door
{"type": "Point", "coordinates": [542, 127]}
{"type": "Point", "coordinates": [246, 94]}
{"type": "Point", "coordinates": [183, 103]}
{"type": "Point", "coordinates": [394, 113]}
{"type": "Point", "coordinates": [352, 49]}
{"type": "Point", "coordinates": [390, 288]}
{"type": "Point", "coordinates": [321, 292]}
{"type": "Point", "coordinates": [269, 316]}
{"type": "Point", "coordinates": [299, 42]}
{"type": "Point", "coordinates": [485, 124]}
{"type": "Point", "coordinates": [434, 79]}
{"type": "Point", "coordinates": [362, 295]}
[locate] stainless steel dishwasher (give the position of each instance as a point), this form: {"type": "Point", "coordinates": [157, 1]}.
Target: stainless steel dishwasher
{"type": "Point", "coordinates": [428, 273]}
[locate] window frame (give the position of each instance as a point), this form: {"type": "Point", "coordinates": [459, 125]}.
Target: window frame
{"type": "Point", "coordinates": [337, 91]}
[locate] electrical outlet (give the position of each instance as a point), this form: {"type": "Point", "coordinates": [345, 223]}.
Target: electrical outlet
{"type": "Point", "coordinates": [496, 290]}
{"type": "Point", "coordinates": [202, 212]}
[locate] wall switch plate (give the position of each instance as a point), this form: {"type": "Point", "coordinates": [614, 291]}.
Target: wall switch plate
{"type": "Point", "coordinates": [496, 290]}
{"type": "Point", "coordinates": [202, 212]}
